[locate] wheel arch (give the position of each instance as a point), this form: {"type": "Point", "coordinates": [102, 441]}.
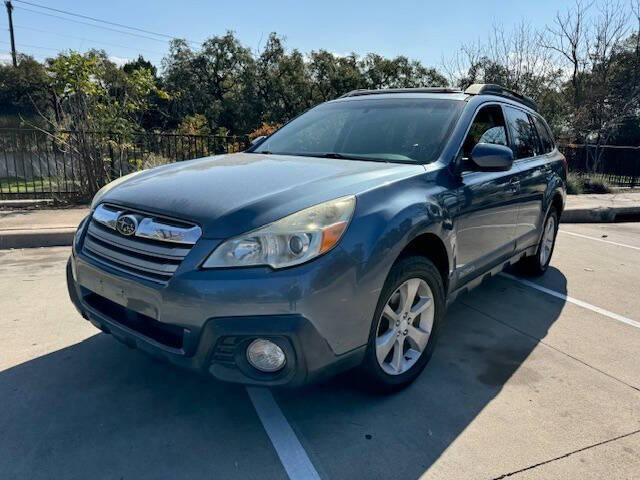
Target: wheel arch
{"type": "Point", "coordinates": [557, 202]}
{"type": "Point", "coordinates": [431, 246]}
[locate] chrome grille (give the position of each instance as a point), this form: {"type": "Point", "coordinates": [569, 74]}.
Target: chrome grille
{"type": "Point", "coordinates": [153, 251]}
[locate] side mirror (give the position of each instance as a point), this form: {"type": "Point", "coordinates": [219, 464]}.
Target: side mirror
{"type": "Point", "coordinates": [492, 157]}
{"type": "Point", "coordinates": [258, 140]}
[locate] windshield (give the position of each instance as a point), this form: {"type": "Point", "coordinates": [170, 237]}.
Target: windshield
{"type": "Point", "coordinates": [396, 130]}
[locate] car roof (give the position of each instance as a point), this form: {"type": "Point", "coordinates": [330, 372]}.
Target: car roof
{"type": "Point", "coordinates": [382, 94]}
{"type": "Point", "coordinates": [487, 91]}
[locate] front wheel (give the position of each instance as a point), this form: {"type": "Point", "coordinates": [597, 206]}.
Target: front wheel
{"type": "Point", "coordinates": [405, 325]}
{"type": "Point", "coordinates": [537, 264]}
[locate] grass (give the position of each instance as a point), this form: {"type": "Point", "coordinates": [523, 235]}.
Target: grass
{"type": "Point", "coordinates": [44, 184]}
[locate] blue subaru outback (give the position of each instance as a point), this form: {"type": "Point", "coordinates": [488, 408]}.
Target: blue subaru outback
{"type": "Point", "coordinates": [337, 242]}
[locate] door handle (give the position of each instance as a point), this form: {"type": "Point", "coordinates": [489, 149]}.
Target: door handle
{"type": "Point", "coordinates": [514, 185]}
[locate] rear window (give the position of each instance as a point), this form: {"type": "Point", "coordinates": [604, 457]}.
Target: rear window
{"type": "Point", "coordinates": [546, 142]}
{"type": "Point", "coordinates": [410, 130]}
{"type": "Point", "coordinates": [524, 138]}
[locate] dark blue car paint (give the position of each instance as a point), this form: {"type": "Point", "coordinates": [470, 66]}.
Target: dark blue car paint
{"type": "Point", "coordinates": [480, 219]}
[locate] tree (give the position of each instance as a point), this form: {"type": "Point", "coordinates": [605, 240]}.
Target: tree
{"type": "Point", "coordinates": [96, 106]}
{"type": "Point", "coordinates": [511, 58]}
{"type": "Point", "coordinates": [23, 90]}
{"type": "Point", "coordinates": [332, 76]}
{"type": "Point", "coordinates": [283, 82]}
{"type": "Point", "coordinates": [399, 72]}
{"type": "Point", "coordinates": [214, 81]}
{"type": "Point", "coordinates": [569, 37]}
{"type": "Point", "coordinates": [140, 63]}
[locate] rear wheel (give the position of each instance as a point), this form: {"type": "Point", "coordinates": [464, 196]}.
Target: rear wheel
{"type": "Point", "coordinates": [405, 324]}
{"type": "Point", "coordinates": [537, 264]}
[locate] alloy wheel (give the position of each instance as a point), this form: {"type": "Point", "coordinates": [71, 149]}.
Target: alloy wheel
{"type": "Point", "coordinates": [548, 237]}
{"type": "Point", "coordinates": [405, 326]}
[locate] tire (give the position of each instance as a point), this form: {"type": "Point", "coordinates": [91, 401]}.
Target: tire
{"type": "Point", "coordinates": [536, 265]}
{"type": "Point", "coordinates": [408, 330]}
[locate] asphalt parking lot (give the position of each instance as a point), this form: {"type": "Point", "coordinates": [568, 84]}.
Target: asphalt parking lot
{"type": "Point", "coordinates": [530, 380]}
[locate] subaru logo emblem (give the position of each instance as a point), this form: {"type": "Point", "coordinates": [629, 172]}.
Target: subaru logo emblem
{"type": "Point", "coordinates": [127, 225]}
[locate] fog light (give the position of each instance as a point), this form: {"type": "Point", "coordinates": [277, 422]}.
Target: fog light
{"type": "Point", "coordinates": [265, 355]}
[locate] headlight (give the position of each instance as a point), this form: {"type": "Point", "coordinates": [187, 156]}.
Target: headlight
{"type": "Point", "coordinates": [289, 241]}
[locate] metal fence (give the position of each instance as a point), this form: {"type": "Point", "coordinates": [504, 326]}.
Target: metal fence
{"type": "Point", "coordinates": [618, 166]}
{"type": "Point", "coordinates": [72, 165]}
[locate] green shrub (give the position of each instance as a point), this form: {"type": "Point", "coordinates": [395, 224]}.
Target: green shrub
{"type": "Point", "coordinates": [596, 185]}
{"type": "Point", "coordinates": [575, 184]}
{"type": "Point", "coordinates": [583, 183]}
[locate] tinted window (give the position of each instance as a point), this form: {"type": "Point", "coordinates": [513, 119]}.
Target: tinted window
{"type": "Point", "coordinates": [488, 127]}
{"type": "Point", "coordinates": [524, 140]}
{"type": "Point", "coordinates": [546, 142]}
{"type": "Point", "coordinates": [389, 129]}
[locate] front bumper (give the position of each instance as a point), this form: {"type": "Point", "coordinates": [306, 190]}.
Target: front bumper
{"type": "Point", "coordinates": [205, 323]}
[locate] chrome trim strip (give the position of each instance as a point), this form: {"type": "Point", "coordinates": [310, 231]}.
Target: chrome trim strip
{"type": "Point", "coordinates": [169, 252]}
{"type": "Point", "coordinates": [106, 217]}
{"type": "Point", "coordinates": [149, 228]}
{"type": "Point", "coordinates": [130, 261]}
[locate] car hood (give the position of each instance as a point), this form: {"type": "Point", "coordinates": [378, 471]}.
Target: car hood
{"type": "Point", "coordinates": [231, 194]}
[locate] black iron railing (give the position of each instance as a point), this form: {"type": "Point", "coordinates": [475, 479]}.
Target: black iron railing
{"type": "Point", "coordinates": [73, 165]}
{"type": "Point", "coordinates": [618, 166]}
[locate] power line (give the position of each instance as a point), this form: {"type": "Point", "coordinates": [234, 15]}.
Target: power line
{"type": "Point", "coordinates": [94, 19]}
{"type": "Point", "coordinates": [34, 46]}
{"type": "Point", "coordinates": [107, 22]}
{"type": "Point", "coordinates": [87, 39]}
{"type": "Point", "coordinates": [34, 55]}
{"type": "Point", "coordinates": [91, 24]}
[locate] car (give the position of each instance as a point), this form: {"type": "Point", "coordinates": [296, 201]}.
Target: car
{"type": "Point", "coordinates": [335, 243]}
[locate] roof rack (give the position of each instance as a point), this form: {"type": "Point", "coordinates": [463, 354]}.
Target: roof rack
{"type": "Point", "coordinates": [359, 93]}
{"type": "Point", "coordinates": [492, 89]}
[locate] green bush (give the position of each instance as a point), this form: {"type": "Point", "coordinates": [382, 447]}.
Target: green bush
{"type": "Point", "coordinates": [575, 184]}
{"type": "Point", "coordinates": [583, 183]}
{"type": "Point", "coordinates": [596, 185]}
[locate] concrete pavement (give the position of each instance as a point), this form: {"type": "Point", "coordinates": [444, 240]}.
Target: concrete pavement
{"type": "Point", "coordinates": [522, 385]}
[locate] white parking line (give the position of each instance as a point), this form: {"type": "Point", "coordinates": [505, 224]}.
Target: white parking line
{"type": "Point", "coordinates": [575, 301]}
{"type": "Point", "coordinates": [599, 240]}
{"type": "Point", "coordinates": [294, 459]}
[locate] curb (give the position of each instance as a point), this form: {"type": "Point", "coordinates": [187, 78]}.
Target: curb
{"type": "Point", "coordinates": [599, 215]}
{"type": "Point", "coordinates": [53, 237]}
{"type": "Point", "coordinates": [25, 203]}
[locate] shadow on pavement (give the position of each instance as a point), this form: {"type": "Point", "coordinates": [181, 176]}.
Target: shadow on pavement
{"type": "Point", "coordinates": [99, 410]}
{"type": "Point", "coordinates": [352, 434]}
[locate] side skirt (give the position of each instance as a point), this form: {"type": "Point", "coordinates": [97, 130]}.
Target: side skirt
{"type": "Point", "coordinates": [491, 273]}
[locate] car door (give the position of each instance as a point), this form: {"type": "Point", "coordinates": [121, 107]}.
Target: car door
{"type": "Point", "coordinates": [487, 213]}
{"type": "Point", "coordinates": [531, 161]}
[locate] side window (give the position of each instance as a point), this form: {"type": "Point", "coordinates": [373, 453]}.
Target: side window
{"type": "Point", "coordinates": [487, 127]}
{"type": "Point", "coordinates": [524, 139]}
{"type": "Point", "coordinates": [544, 135]}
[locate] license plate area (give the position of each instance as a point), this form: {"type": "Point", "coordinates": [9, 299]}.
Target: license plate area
{"type": "Point", "coordinates": [123, 292]}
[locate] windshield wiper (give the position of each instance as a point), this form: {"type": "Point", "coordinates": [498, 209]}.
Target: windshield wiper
{"type": "Point", "coordinates": [341, 156]}
{"type": "Point", "coordinates": [333, 155]}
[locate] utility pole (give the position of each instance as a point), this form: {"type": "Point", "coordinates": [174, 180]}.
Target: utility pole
{"type": "Point", "coordinates": [9, 6]}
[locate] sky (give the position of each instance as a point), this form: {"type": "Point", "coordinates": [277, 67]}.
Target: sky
{"type": "Point", "coordinates": [424, 30]}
